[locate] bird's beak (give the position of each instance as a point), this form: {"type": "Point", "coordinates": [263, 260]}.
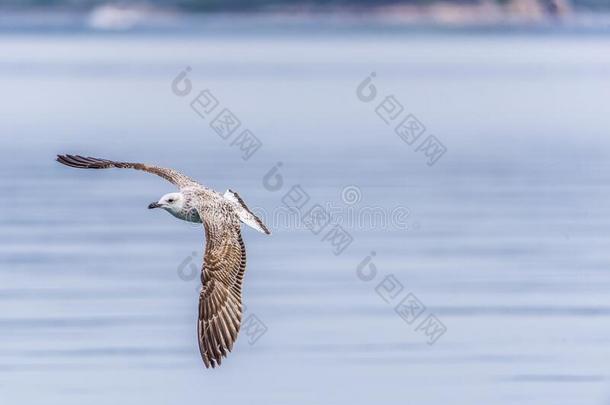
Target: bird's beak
{"type": "Point", "coordinates": [153, 205]}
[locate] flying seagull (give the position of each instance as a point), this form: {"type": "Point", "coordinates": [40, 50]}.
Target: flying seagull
{"type": "Point", "coordinates": [224, 262]}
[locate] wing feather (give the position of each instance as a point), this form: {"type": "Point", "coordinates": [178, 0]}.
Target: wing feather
{"type": "Point", "coordinates": [81, 162]}
{"type": "Point", "coordinates": [220, 309]}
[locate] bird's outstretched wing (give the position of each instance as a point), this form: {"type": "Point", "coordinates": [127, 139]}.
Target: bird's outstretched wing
{"type": "Point", "coordinates": [170, 175]}
{"type": "Point", "coordinates": [220, 309]}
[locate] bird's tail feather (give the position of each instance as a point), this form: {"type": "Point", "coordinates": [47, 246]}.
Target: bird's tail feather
{"type": "Point", "coordinates": [245, 215]}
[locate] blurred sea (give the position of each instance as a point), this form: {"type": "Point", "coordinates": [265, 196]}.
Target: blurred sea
{"type": "Point", "coordinates": [506, 244]}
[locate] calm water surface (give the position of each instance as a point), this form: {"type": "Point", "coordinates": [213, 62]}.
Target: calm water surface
{"type": "Point", "coordinates": [506, 241]}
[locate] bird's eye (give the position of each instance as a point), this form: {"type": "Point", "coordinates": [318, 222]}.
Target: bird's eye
{"type": "Point", "coordinates": [171, 200]}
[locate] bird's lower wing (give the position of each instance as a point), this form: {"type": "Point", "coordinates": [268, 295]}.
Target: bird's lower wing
{"type": "Point", "coordinates": [220, 309]}
{"type": "Point", "coordinates": [81, 162]}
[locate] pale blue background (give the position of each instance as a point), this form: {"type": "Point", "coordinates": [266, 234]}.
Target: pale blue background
{"type": "Point", "coordinates": [510, 250]}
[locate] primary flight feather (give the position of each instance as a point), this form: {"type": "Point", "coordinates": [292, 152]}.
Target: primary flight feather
{"type": "Point", "coordinates": [224, 261]}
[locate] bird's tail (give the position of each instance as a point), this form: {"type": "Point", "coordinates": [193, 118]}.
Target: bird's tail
{"type": "Point", "coordinates": [243, 212]}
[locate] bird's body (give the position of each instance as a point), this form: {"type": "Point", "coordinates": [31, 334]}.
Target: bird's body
{"type": "Point", "coordinates": [224, 265]}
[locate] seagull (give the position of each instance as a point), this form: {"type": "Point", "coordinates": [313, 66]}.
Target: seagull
{"type": "Point", "coordinates": [224, 261]}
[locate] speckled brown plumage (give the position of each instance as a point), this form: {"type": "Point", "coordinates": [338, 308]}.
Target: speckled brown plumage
{"type": "Point", "coordinates": [224, 263]}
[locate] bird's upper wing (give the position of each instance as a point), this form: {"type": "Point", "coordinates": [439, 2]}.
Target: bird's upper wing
{"type": "Point", "coordinates": [170, 175]}
{"type": "Point", "coordinates": [224, 265]}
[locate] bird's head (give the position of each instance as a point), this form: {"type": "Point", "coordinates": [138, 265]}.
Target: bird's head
{"type": "Point", "coordinates": [172, 202]}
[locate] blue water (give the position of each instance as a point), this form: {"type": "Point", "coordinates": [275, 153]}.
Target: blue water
{"type": "Point", "coordinates": [505, 241]}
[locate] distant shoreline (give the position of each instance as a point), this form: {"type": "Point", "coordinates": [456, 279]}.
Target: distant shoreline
{"type": "Point", "coordinates": [439, 17]}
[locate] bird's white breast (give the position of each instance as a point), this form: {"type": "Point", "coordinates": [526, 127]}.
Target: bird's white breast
{"type": "Point", "coordinates": [189, 215]}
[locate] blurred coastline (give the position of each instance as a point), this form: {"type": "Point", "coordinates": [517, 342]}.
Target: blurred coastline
{"type": "Point", "coordinates": [512, 15]}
